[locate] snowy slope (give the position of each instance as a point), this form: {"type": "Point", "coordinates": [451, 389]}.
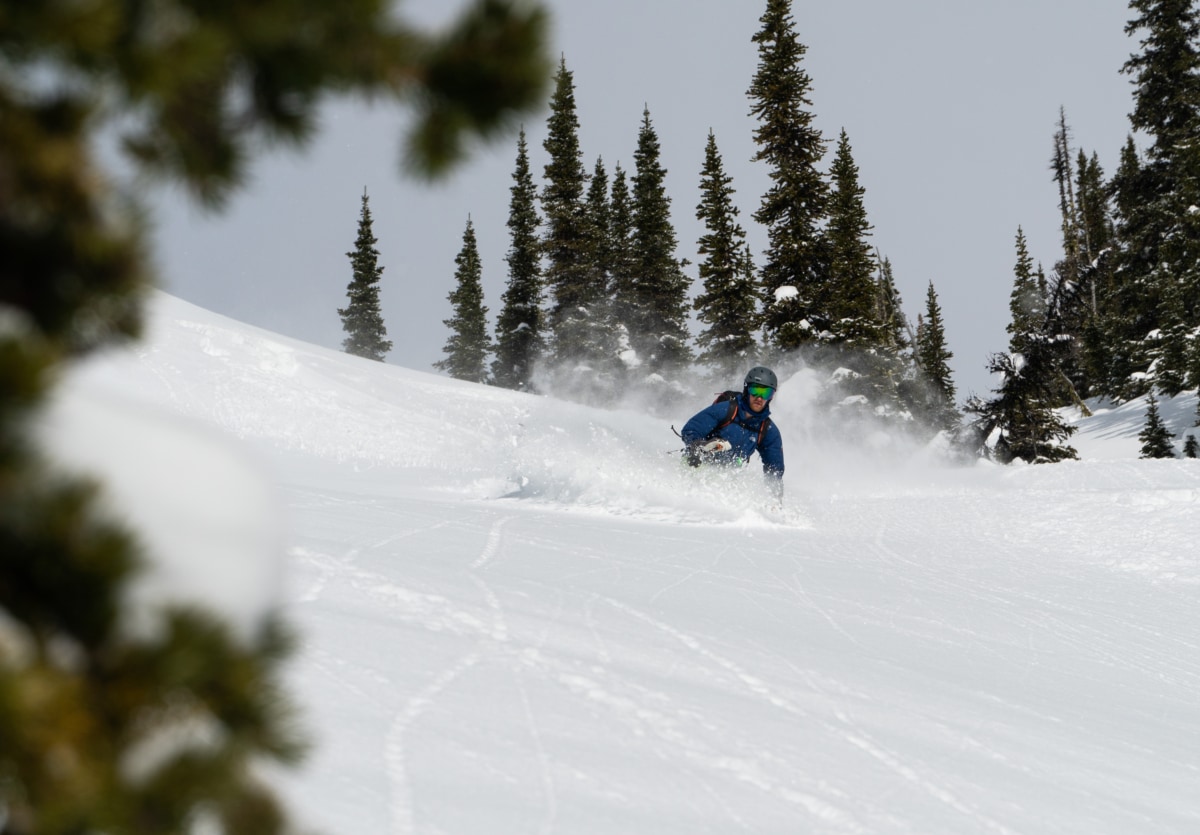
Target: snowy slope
{"type": "Point", "coordinates": [522, 616]}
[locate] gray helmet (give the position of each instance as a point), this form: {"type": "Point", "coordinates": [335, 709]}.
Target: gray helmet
{"type": "Point", "coordinates": [761, 376]}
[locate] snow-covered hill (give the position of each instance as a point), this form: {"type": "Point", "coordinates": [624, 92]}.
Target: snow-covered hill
{"type": "Point", "coordinates": [523, 616]}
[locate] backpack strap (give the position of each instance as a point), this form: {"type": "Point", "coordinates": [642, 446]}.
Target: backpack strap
{"type": "Point", "coordinates": [762, 431]}
{"type": "Point", "coordinates": [730, 416]}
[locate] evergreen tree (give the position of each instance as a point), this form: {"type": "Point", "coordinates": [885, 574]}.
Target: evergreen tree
{"type": "Point", "coordinates": [85, 695]}
{"type": "Point", "coordinates": [468, 346]}
{"type": "Point", "coordinates": [1096, 228]}
{"type": "Point", "coordinates": [895, 332]}
{"type": "Point", "coordinates": [660, 333]}
{"type": "Point", "coordinates": [1069, 313]}
{"type": "Point", "coordinates": [362, 320]}
{"type": "Point", "coordinates": [876, 351]}
{"type": "Point", "coordinates": [569, 242]}
{"type": "Point", "coordinates": [1191, 446]}
{"type": "Point", "coordinates": [1020, 421]}
{"type": "Point", "coordinates": [851, 295]}
{"type": "Point", "coordinates": [932, 358]}
{"type": "Point", "coordinates": [519, 338]}
{"type": "Point", "coordinates": [605, 251]}
{"type": "Point", "coordinates": [1128, 308]}
{"type": "Point", "coordinates": [1027, 302]}
{"type": "Point", "coordinates": [622, 264]}
{"type": "Point", "coordinates": [1155, 437]}
{"type": "Point", "coordinates": [728, 305]}
{"type": "Point", "coordinates": [795, 273]}
{"type": "Point", "coordinates": [1158, 268]}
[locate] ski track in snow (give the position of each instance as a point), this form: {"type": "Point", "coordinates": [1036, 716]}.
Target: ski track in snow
{"type": "Point", "coordinates": [566, 634]}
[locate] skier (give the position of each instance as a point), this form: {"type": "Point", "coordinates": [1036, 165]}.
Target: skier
{"type": "Point", "coordinates": [735, 425]}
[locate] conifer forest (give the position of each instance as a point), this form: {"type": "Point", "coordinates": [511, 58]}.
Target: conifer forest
{"type": "Point", "coordinates": [598, 302]}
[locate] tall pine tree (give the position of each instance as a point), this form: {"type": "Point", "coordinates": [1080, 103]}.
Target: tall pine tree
{"type": "Point", "coordinates": [468, 346]}
{"type": "Point", "coordinates": [568, 243]}
{"type": "Point", "coordinates": [850, 292]}
{"type": "Point", "coordinates": [795, 273]}
{"type": "Point", "coordinates": [362, 319]}
{"type": "Point", "coordinates": [660, 332]}
{"type": "Point", "coordinates": [932, 358]}
{"type": "Point", "coordinates": [1020, 421]}
{"type": "Point", "coordinates": [729, 303]}
{"type": "Point", "coordinates": [1155, 437]}
{"type": "Point", "coordinates": [1159, 264]}
{"type": "Point", "coordinates": [622, 290]}
{"type": "Point", "coordinates": [605, 249]}
{"type": "Point", "coordinates": [519, 338]}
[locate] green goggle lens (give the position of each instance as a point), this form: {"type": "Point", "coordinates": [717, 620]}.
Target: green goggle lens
{"type": "Point", "coordinates": [765, 392]}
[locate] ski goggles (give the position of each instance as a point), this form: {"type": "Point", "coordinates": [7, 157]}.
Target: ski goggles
{"type": "Point", "coordinates": [765, 392]}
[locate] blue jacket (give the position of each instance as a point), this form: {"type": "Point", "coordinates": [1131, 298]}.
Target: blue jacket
{"type": "Point", "coordinates": [742, 434]}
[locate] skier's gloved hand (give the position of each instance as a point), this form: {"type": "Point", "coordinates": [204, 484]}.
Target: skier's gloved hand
{"type": "Point", "coordinates": [717, 445]}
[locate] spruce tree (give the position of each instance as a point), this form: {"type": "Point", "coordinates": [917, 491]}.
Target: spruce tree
{"type": "Point", "coordinates": [1069, 312]}
{"type": "Point", "coordinates": [1096, 229]}
{"type": "Point", "coordinates": [519, 338]}
{"type": "Point", "coordinates": [622, 268]}
{"type": "Point", "coordinates": [85, 696]}
{"type": "Point", "coordinates": [850, 294]}
{"type": "Point", "coordinates": [468, 346]}
{"type": "Point", "coordinates": [795, 273]}
{"type": "Point", "coordinates": [1128, 309]}
{"type": "Point", "coordinates": [660, 333]}
{"type": "Point", "coordinates": [362, 320]}
{"type": "Point", "coordinates": [1026, 303]}
{"type": "Point", "coordinates": [1191, 446]}
{"type": "Point", "coordinates": [604, 248]}
{"type": "Point", "coordinates": [1159, 232]}
{"type": "Point", "coordinates": [1155, 437]}
{"type": "Point", "coordinates": [568, 242]}
{"type": "Point", "coordinates": [728, 305]}
{"type": "Point", "coordinates": [1020, 421]}
{"type": "Point", "coordinates": [932, 356]}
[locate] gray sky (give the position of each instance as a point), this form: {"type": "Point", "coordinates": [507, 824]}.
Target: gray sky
{"type": "Point", "coordinates": [950, 107]}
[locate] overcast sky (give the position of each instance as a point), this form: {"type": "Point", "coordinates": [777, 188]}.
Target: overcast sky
{"type": "Point", "coordinates": [950, 108]}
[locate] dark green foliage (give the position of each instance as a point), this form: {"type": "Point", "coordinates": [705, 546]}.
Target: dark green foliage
{"type": "Point", "coordinates": [1155, 298]}
{"type": "Point", "coordinates": [932, 355]}
{"type": "Point", "coordinates": [795, 205]}
{"type": "Point", "coordinates": [194, 87]}
{"type": "Point", "coordinates": [850, 295]}
{"type": "Point", "coordinates": [729, 303]}
{"type": "Point", "coordinates": [362, 319]}
{"type": "Point", "coordinates": [622, 259]}
{"type": "Point", "coordinates": [1191, 447]}
{"type": "Point", "coordinates": [1020, 421]}
{"type": "Point", "coordinates": [569, 241]}
{"type": "Point", "coordinates": [660, 333]}
{"type": "Point", "coordinates": [1026, 303]}
{"type": "Point", "coordinates": [605, 249]}
{"type": "Point", "coordinates": [1070, 307]}
{"type": "Point", "coordinates": [468, 346]}
{"type": "Point", "coordinates": [1155, 437]}
{"type": "Point", "coordinates": [519, 338]}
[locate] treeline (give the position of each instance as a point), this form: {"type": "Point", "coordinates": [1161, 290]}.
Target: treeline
{"type": "Point", "coordinates": [597, 301]}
